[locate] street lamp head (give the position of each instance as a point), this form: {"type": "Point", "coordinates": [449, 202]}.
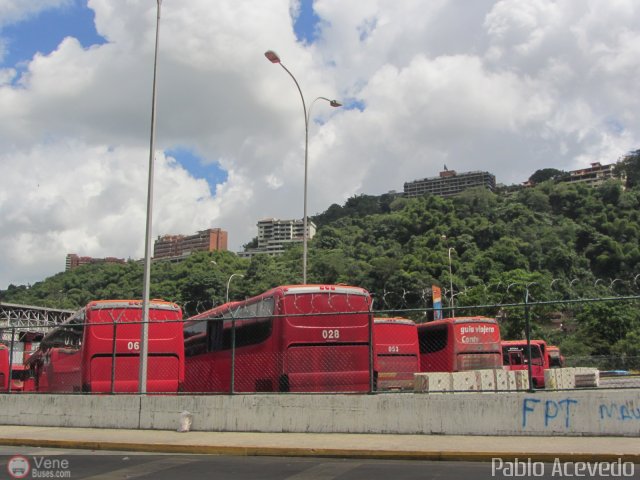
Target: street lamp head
{"type": "Point", "coordinates": [335, 103]}
{"type": "Point", "coordinates": [272, 56]}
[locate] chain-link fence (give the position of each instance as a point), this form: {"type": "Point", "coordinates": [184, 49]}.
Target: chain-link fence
{"type": "Point", "coordinates": [307, 339]}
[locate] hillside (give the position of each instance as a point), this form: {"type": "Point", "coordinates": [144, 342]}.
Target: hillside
{"type": "Point", "coordinates": [573, 241]}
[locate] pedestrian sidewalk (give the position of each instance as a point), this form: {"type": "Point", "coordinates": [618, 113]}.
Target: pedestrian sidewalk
{"type": "Point", "coordinates": [389, 446]}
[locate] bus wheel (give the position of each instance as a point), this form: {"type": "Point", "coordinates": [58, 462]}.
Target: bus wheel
{"type": "Point", "coordinates": [283, 383]}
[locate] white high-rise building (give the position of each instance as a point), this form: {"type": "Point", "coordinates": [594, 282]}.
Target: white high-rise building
{"type": "Point", "coordinates": [274, 235]}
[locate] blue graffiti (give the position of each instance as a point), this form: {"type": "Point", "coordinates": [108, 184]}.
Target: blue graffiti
{"type": "Point", "coordinates": [552, 409]}
{"type": "Point", "coordinates": [622, 412]}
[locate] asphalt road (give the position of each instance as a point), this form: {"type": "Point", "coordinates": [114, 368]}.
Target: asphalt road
{"type": "Point", "coordinates": [62, 463]}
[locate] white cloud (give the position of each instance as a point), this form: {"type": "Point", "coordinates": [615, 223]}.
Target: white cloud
{"type": "Point", "coordinates": [506, 86]}
{"type": "Point", "coordinates": [12, 11]}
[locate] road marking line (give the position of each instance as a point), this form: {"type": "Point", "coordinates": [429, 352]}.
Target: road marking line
{"type": "Point", "coordinates": [144, 468]}
{"type": "Point", "coordinates": [324, 471]}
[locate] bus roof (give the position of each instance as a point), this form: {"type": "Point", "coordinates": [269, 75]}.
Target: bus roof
{"type": "Point", "coordinates": [301, 289]}
{"type": "Point", "coordinates": [109, 304]}
{"type": "Point", "coordinates": [393, 321]}
{"type": "Point", "coordinates": [509, 343]}
{"type": "Point", "coordinates": [454, 320]}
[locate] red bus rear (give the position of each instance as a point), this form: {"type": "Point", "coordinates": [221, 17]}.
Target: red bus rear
{"type": "Point", "coordinates": [304, 338]}
{"type": "Point", "coordinates": [4, 368]}
{"type": "Point", "coordinates": [396, 353]}
{"type": "Point", "coordinates": [98, 350]}
{"type": "Point", "coordinates": [515, 357]}
{"type": "Point", "coordinates": [459, 344]}
{"type": "Point", "coordinates": [555, 357]}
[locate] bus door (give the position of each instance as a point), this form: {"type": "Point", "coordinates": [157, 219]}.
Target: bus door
{"type": "Point", "coordinates": [516, 357]}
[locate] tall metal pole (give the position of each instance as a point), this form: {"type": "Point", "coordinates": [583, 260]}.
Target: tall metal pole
{"type": "Point", "coordinates": [453, 312]}
{"type": "Point", "coordinates": [274, 58]}
{"type": "Point", "coordinates": [527, 327]}
{"type": "Point", "coordinates": [144, 336]}
{"type": "Point", "coordinates": [306, 169]}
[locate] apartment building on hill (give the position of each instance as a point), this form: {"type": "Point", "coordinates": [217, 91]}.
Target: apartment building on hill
{"type": "Point", "coordinates": [180, 246]}
{"type": "Point", "coordinates": [275, 235]}
{"type": "Point", "coordinates": [449, 183]}
{"type": "Point", "coordinates": [74, 260]}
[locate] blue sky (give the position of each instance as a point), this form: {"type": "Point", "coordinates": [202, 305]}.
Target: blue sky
{"type": "Point", "coordinates": [492, 85]}
{"type": "Point", "coordinates": [42, 33]}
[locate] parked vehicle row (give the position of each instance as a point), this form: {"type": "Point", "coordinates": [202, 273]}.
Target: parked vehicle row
{"type": "Point", "coordinates": [293, 338]}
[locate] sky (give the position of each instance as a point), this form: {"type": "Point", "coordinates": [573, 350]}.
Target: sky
{"type": "Point", "coordinates": [504, 86]}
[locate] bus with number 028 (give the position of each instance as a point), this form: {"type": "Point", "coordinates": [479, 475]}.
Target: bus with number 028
{"type": "Point", "coordinates": [296, 338]}
{"type": "Point", "coordinates": [98, 350]}
{"type": "Point", "coordinates": [459, 344]}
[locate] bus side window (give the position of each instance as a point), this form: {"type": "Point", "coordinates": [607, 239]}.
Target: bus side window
{"type": "Point", "coordinates": [253, 324]}
{"type": "Point", "coordinates": [434, 339]}
{"type": "Point", "coordinates": [194, 338]}
{"type": "Point", "coordinates": [215, 334]}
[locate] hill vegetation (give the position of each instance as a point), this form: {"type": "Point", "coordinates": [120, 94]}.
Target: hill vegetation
{"type": "Point", "coordinates": [566, 242]}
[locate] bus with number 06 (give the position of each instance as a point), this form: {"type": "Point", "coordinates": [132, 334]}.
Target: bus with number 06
{"type": "Point", "coordinates": [296, 338]}
{"type": "Point", "coordinates": [98, 350]}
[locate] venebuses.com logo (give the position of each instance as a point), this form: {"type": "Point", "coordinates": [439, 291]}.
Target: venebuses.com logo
{"type": "Point", "coordinates": [18, 466]}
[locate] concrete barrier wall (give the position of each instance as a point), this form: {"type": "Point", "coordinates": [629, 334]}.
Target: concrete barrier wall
{"type": "Point", "coordinates": [575, 413]}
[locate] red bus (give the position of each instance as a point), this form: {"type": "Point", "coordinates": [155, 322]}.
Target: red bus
{"type": "Point", "coordinates": [459, 343]}
{"type": "Point", "coordinates": [20, 379]}
{"type": "Point", "coordinates": [296, 338]}
{"type": "Point", "coordinates": [4, 368]}
{"type": "Point", "coordinates": [515, 357]}
{"type": "Point", "coordinates": [555, 357]}
{"type": "Point", "coordinates": [98, 350]}
{"type": "Point", "coordinates": [396, 353]}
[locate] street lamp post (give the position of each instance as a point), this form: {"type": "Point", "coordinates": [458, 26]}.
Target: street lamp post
{"type": "Point", "coordinates": [453, 312]}
{"type": "Point", "coordinates": [274, 58]}
{"type": "Point", "coordinates": [229, 283]}
{"type": "Point", "coordinates": [144, 335]}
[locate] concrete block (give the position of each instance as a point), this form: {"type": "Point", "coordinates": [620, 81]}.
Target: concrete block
{"type": "Point", "coordinates": [486, 380]}
{"type": "Point", "coordinates": [567, 377]}
{"type": "Point", "coordinates": [421, 382]}
{"type": "Point", "coordinates": [502, 380]}
{"type": "Point", "coordinates": [464, 381]}
{"type": "Point", "coordinates": [551, 378]}
{"type": "Point", "coordinates": [586, 377]}
{"type": "Point", "coordinates": [521, 379]}
{"type": "Point", "coordinates": [433, 382]}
